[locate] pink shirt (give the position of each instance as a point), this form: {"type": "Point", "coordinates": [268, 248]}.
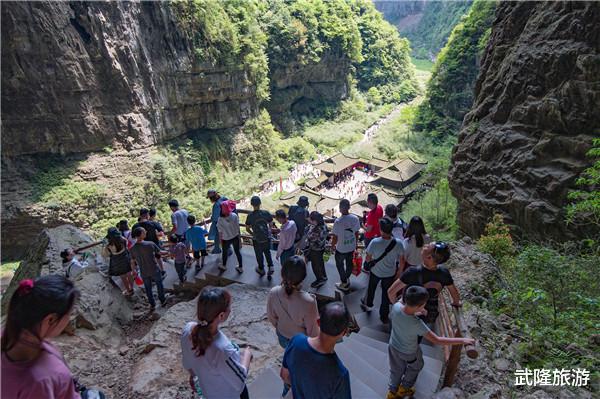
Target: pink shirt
{"type": "Point", "coordinates": [46, 377]}
{"type": "Point", "coordinates": [287, 236]}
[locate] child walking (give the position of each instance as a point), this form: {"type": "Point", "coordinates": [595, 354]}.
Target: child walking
{"type": "Point", "coordinates": [195, 238]}
{"type": "Point", "coordinates": [405, 356]}
{"type": "Point", "coordinates": [178, 251]}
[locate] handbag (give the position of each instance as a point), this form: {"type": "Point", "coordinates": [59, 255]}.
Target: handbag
{"type": "Point", "coordinates": [368, 265]}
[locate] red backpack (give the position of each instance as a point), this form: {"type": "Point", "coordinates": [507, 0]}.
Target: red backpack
{"type": "Point", "coordinates": [227, 207]}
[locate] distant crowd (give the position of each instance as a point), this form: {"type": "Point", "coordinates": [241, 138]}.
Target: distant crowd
{"type": "Point", "coordinates": [398, 256]}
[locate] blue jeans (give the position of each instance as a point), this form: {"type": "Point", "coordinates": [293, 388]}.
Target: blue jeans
{"type": "Point", "coordinates": [288, 253]}
{"type": "Point", "coordinates": [283, 342]}
{"type": "Point", "coordinates": [157, 279]}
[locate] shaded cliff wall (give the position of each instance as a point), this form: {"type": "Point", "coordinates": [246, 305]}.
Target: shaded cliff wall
{"type": "Point", "coordinates": [77, 77]}
{"type": "Point", "coordinates": [536, 109]}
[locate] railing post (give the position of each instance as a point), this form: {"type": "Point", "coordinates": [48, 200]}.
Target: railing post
{"type": "Point", "coordinates": [453, 361]}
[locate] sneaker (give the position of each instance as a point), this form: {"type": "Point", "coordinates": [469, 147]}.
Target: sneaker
{"type": "Point", "coordinates": [216, 251]}
{"type": "Point", "coordinates": [260, 271]}
{"type": "Point", "coordinates": [364, 306]}
{"type": "Point", "coordinates": [391, 395]}
{"type": "Point", "coordinates": [222, 267]}
{"type": "Point", "coordinates": [403, 392]}
{"type": "Point", "coordinates": [239, 269]}
{"type": "Point", "coordinates": [271, 270]}
{"type": "Point", "coordinates": [317, 283]}
{"type": "Point", "coordinates": [344, 287]}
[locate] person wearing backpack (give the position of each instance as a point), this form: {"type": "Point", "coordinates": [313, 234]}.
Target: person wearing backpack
{"type": "Point", "coordinates": [228, 226]}
{"type": "Point", "coordinates": [258, 223]}
{"type": "Point", "coordinates": [391, 213]}
{"type": "Point", "coordinates": [213, 231]}
{"type": "Point", "coordinates": [299, 214]}
{"type": "Point", "coordinates": [383, 256]}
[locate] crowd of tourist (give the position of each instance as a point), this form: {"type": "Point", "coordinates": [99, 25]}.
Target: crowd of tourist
{"type": "Point", "coordinates": [400, 257]}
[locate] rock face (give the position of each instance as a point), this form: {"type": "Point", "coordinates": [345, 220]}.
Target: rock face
{"type": "Point", "coordinates": [303, 88]}
{"type": "Point", "coordinates": [80, 76]}
{"type": "Point", "coordinates": [537, 98]}
{"type": "Point", "coordinates": [158, 372]}
{"type": "Point", "coordinates": [101, 308]}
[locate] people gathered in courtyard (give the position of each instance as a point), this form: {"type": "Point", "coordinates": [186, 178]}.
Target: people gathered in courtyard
{"type": "Point", "coordinates": [400, 258]}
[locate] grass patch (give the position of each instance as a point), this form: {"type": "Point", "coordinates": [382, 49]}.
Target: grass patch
{"type": "Point", "coordinates": [422, 65]}
{"type": "Point", "coordinates": [8, 268]}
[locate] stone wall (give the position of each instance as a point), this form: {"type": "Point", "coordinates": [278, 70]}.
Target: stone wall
{"type": "Point", "coordinates": [536, 110]}
{"type": "Point", "coordinates": [80, 76]}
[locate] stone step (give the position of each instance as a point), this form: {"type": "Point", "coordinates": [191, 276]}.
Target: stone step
{"type": "Point", "coordinates": [267, 385]}
{"type": "Point", "coordinates": [375, 344]}
{"type": "Point", "coordinates": [375, 334]}
{"type": "Point", "coordinates": [362, 370]}
{"type": "Point", "coordinates": [249, 276]}
{"type": "Point", "coordinates": [375, 357]}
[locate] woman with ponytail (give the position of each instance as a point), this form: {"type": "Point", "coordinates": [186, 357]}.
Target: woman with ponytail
{"type": "Point", "coordinates": [219, 365]}
{"type": "Point", "coordinates": [290, 309]}
{"type": "Point", "coordinates": [32, 367]}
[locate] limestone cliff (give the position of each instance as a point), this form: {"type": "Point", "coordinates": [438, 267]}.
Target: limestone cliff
{"type": "Point", "coordinates": [536, 109]}
{"type": "Point", "coordinates": [80, 76]}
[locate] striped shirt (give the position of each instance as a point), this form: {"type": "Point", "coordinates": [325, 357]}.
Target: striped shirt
{"type": "Point", "coordinates": [220, 372]}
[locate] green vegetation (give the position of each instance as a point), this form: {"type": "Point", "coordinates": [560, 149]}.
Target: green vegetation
{"type": "Point", "coordinates": [430, 34]}
{"type": "Point", "coordinates": [386, 64]}
{"type": "Point", "coordinates": [227, 33]}
{"type": "Point", "coordinates": [422, 65]}
{"type": "Point", "coordinates": [450, 89]}
{"type": "Point", "coordinates": [552, 295]}
{"type": "Point", "coordinates": [585, 206]}
{"type": "Point", "coordinates": [8, 268]}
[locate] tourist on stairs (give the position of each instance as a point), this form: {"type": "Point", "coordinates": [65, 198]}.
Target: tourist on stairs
{"type": "Point", "coordinates": [371, 222]}
{"type": "Point", "coordinates": [38, 311]}
{"type": "Point", "coordinates": [119, 263]}
{"type": "Point", "coordinates": [154, 231]}
{"type": "Point", "coordinates": [287, 237]}
{"type": "Point", "coordinates": [213, 231]}
{"type": "Point", "coordinates": [314, 249]}
{"type": "Point", "coordinates": [144, 254]}
{"type": "Point", "coordinates": [383, 255]}
{"type": "Point", "coordinates": [258, 223]}
{"type": "Point", "coordinates": [391, 212]}
{"type": "Point", "coordinates": [345, 237]}
{"type": "Point", "coordinates": [431, 275]}
{"type": "Point", "coordinates": [219, 366]}
{"type": "Point", "coordinates": [123, 227]}
{"type": "Point", "coordinates": [404, 353]}
{"type": "Point", "coordinates": [195, 237]}
{"type": "Point", "coordinates": [311, 366]}
{"type": "Point", "coordinates": [291, 310]}
{"type": "Point", "coordinates": [414, 239]}
{"type": "Point", "coordinates": [178, 220]}
{"type": "Point", "coordinates": [178, 251]}
{"type": "Point", "coordinates": [228, 227]}
{"type": "Point", "coordinates": [299, 214]}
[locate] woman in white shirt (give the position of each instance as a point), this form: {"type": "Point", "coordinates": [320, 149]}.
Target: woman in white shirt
{"type": "Point", "coordinates": [219, 365]}
{"type": "Point", "coordinates": [228, 226]}
{"type": "Point", "coordinates": [415, 237]}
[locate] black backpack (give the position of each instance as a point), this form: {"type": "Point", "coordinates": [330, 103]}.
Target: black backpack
{"type": "Point", "coordinates": [299, 216]}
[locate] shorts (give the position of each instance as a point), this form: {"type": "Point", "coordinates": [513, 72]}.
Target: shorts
{"type": "Point", "coordinates": [200, 252]}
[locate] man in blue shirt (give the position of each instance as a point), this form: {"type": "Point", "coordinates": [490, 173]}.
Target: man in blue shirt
{"type": "Point", "coordinates": [311, 366]}
{"type": "Point", "coordinates": [213, 233]}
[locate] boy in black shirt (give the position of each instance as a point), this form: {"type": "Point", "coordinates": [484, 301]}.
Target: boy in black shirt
{"type": "Point", "coordinates": [431, 276]}
{"type": "Point", "coordinates": [258, 223]}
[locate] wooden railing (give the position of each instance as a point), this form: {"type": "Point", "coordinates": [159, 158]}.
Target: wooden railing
{"type": "Point", "coordinates": [453, 327]}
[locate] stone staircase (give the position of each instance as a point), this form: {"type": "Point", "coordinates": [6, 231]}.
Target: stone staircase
{"type": "Point", "coordinates": [364, 354]}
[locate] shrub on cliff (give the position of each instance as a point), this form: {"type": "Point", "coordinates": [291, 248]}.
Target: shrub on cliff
{"type": "Point", "coordinates": [386, 63]}
{"type": "Point", "coordinates": [450, 89]}
{"type": "Point", "coordinates": [497, 240]}
{"type": "Point", "coordinates": [585, 206]}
